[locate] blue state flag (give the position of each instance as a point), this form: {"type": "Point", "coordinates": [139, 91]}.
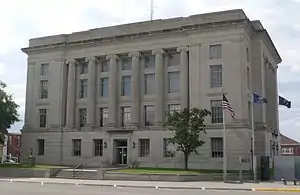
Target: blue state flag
{"type": "Point", "coordinates": [257, 99]}
{"type": "Point", "coordinates": [285, 102]}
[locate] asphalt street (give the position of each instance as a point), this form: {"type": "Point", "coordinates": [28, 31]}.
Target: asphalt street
{"type": "Point", "coordinates": [53, 189]}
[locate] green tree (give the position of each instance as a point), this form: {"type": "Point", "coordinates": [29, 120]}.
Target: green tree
{"type": "Point", "coordinates": [187, 125]}
{"type": "Point", "coordinates": [8, 111]}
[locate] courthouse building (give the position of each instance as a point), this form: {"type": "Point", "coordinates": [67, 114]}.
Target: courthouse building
{"type": "Point", "coordinates": [100, 97]}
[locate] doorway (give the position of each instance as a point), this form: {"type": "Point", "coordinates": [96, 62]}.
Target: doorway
{"type": "Point", "coordinates": [121, 152]}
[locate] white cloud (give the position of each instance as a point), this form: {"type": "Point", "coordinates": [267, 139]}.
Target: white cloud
{"type": "Point", "coordinates": [2, 71]}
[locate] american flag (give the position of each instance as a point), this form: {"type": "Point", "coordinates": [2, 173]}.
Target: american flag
{"type": "Point", "coordinates": [227, 105]}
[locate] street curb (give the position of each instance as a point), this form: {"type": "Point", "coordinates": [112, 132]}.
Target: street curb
{"type": "Point", "coordinates": [276, 189]}
{"type": "Point", "coordinates": [126, 186]}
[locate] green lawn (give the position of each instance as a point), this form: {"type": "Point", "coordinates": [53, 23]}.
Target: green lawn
{"type": "Point", "coordinates": [26, 166]}
{"type": "Point", "coordinates": [168, 171]}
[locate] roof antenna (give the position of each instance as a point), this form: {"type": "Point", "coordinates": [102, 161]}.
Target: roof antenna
{"type": "Point", "coordinates": [151, 9]}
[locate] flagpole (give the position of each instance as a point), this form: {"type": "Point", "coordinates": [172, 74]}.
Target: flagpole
{"type": "Point", "coordinates": [224, 144]}
{"type": "Point", "coordinates": [253, 139]}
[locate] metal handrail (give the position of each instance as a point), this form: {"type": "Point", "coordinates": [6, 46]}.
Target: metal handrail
{"type": "Point", "coordinates": [77, 167]}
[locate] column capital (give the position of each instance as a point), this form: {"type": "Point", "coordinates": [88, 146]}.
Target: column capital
{"type": "Point", "coordinates": [134, 54]}
{"type": "Point", "coordinates": [91, 59]}
{"type": "Point", "coordinates": [158, 51]}
{"type": "Point", "coordinates": [184, 48]}
{"type": "Point", "coordinates": [71, 62]}
{"type": "Point", "coordinates": [112, 56]}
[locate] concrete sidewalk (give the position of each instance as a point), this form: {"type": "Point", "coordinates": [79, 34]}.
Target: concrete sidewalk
{"type": "Point", "coordinates": [276, 187]}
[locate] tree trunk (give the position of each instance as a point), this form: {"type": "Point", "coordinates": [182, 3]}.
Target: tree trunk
{"type": "Point", "coordinates": [186, 160]}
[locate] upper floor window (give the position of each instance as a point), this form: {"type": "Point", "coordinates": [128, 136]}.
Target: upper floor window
{"type": "Point", "coordinates": [149, 61]}
{"type": "Point", "coordinates": [287, 150]}
{"type": "Point", "coordinates": [43, 117]}
{"type": "Point", "coordinates": [83, 66]}
{"type": "Point", "coordinates": [40, 147]}
{"type": "Point", "coordinates": [104, 65]}
{"type": "Point", "coordinates": [215, 76]}
{"type": "Point", "coordinates": [149, 115]}
{"type": "Point", "coordinates": [150, 83]}
{"type": "Point", "coordinates": [82, 116]}
{"type": "Point", "coordinates": [216, 111]}
{"type": "Point", "coordinates": [126, 116]}
{"type": "Point", "coordinates": [126, 63]}
{"type": "Point", "coordinates": [217, 147]}
{"type": "Point", "coordinates": [126, 85]}
{"type": "Point", "coordinates": [44, 89]}
{"type": "Point", "coordinates": [103, 116]}
{"type": "Point", "coordinates": [104, 84]}
{"type": "Point", "coordinates": [44, 69]}
{"type": "Point", "coordinates": [83, 88]}
{"type": "Point", "coordinates": [173, 82]}
{"type": "Point", "coordinates": [174, 59]}
{"type": "Point", "coordinates": [215, 51]}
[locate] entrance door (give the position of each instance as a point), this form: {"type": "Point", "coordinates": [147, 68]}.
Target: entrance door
{"type": "Point", "coordinates": [121, 158]}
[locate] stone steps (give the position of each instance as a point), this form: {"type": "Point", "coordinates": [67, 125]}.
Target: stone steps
{"type": "Point", "coordinates": [78, 174]}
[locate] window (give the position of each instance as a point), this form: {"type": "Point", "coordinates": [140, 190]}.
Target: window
{"type": "Point", "coordinates": [82, 116]}
{"type": "Point", "coordinates": [83, 88]}
{"type": "Point", "coordinates": [216, 111]}
{"type": "Point", "coordinates": [83, 66]}
{"type": "Point", "coordinates": [248, 78]}
{"type": "Point", "coordinates": [44, 69]}
{"type": "Point", "coordinates": [215, 76]}
{"type": "Point", "coordinates": [217, 147]}
{"type": "Point", "coordinates": [18, 141]}
{"type": "Point", "coordinates": [104, 65]}
{"type": "Point", "coordinates": [98, 147]}
{"type": "Point", "coordinates": [247, 55]}
{"type": "Point", "coordinates": [126, 63]}
{"type": "Point", "coordinates": [43, 118]}
{"type": "Point", "coordinates": [149, 115]}
{"type": "Point", "coordinates": [287, 150]}
{"type": "Point", "coordinates": [44, 89]}
{"type": "Point", "coordinates": [215, 51]}
{"type": "Point", "coordinates": [126, 85]}
{"type": "Point", "coordinates": [40, 147]}
{"type": "Point", "coordinates": [174, 59]}
{"type": "Point", "coordinates": [76, 147]}
{"type": "Point", "coordinates": [149, 83]}
{"type": "Point", "coordinates": [174, 107]}
{"type": "Point", "coordinates": [144, 147]}
{"type": "Point", "coordinates": [103, 116]}
{"type": "Point", "coordinates": [169, 149]}
{"type": "Point", "coordinates": [173, 82]}
{"type": "Point", "coordinates": [104, 82]}
{"type": "Point", "coordinates": [126, 116]}
{"type": "Point", "coordinates": [149, 62]}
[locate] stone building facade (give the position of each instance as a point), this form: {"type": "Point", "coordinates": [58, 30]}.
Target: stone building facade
{"type": "Point", "coordinates": [100, 97]}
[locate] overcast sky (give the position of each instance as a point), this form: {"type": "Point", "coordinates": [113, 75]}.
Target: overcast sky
{"type": "Point", "coordinates": [21, 20]}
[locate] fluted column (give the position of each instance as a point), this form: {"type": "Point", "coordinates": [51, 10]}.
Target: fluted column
{"type": "Point", "coordinates": [91, 91]}
{"type": "Point", "coordinates": [184, 77]}
{"type": "Point", "coordinates": [113, 90]}
{"type": "Point", "coordinates": [71, 94]}
{"type": "Point", "coordinates": [159, 86]}
{"type": "Point", "coordinates": [135, 88]}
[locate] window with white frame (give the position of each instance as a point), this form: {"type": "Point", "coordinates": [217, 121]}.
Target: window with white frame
{"type": "Point", "coordinates": [44, 69]}
{"type": "Point", "coordinates": [215, 51]}
{"type": "Point", "coordinates": [216, 76]}
{"type": "Point", "coordinates": [83, 88]}
{"type": "Point", "coordinates": [217, 147]}
{"type": "Point", "coordinates": [144, 147]}
{"type": "Point", "coordinates": [76, 147]}
{"type": "Point", "coordinates": [82, 116]}
{"type": "Point", "coordinates": [150, 83]}
{"type": "Point", "coordinates": [287, 150]}
{"type": "Point", "coordinates": [104, 85]}
{"type": "Point", "coordinates": [149, 115]}
{"type": "Point", "coordinates": [126, 115]}
{"type": "Point", "coordinates": [103, 117]}
{"type": "Point", "coordinates": [43, 117]}
{"type": "Point", "coordinates": [126, 85]}
{"type": "Point", "coordinates": [216, 111]}
{"type": "Point", "coordinates": [169, 149]}
{"type": "Point", "coordinates": [98, 147]}
{"type": "Point", "coordinates": [173, 82]}
{"type": "Point", "coordinates": [44, 89]}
